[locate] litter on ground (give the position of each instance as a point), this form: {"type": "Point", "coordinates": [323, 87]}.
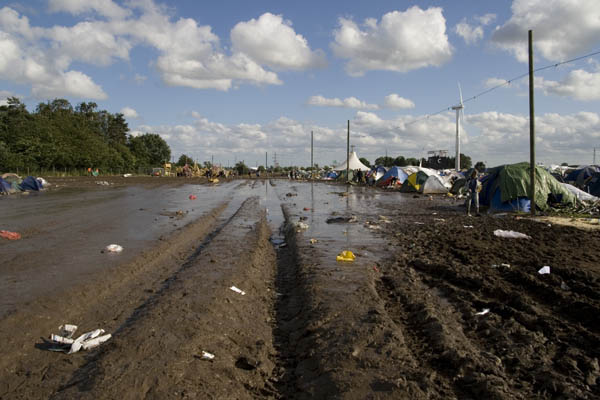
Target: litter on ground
{"type": "Point", "coordinates": [544, 270]}
{"type": "Point", "coordinates": [511, 234]}
{"type": "Point", "coordinates": [193, 197]}
{"type": "Point", "coordinates": [346, 255]}
{"type": "Point", "coordinates": [207, 356]}
{"type": "Point", "coordinates": [64, 340]}
{"type": "Point", "coordinates": [483, 312]}
{"type": "Point", "coordinates": [113, 248]}
{"type": "Point", "coordinates": [10, 235]}
{"type": "Point", "coordinates": [237, 290]}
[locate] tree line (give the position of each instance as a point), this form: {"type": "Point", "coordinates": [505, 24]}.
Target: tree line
{"type": "Point", "coordinates": [59, 136]}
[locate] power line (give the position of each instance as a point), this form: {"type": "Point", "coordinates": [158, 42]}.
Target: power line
{"type": "Point", "coordinates": [507, 82]}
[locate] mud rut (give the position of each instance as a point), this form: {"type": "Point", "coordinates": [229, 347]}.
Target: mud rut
{"type": "Point", "coordinates": [402, 328]}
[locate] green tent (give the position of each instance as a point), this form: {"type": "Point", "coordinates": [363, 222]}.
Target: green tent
{"type": "Point", "coordinates": [513, 182]}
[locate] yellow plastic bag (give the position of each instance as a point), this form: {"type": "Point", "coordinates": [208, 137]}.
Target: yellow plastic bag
{"type": "Point", "coordinates": [346, 255]}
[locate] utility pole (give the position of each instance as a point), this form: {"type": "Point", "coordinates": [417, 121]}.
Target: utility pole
{"type": "Point", "coordinates": [266, 163]}
{"type": "Point", "coordinates": [531, 127]}
{"type": "Point", "coordinates": [594, 156]}
{"type": "Point", "coordinates": [311, 156]}
{"type": "Point", "coordinates": [348, 155]}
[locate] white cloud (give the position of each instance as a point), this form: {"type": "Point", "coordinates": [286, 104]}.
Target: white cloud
{"type": "Point", "coordinates": [561, 28]}
{"type": "Point", "coordinates": [272, 41]}
{"type": "Point", "coordinates": [401, 41]}
{"type": "Point", "coordinates": [579, 84]}
{"type": "Point", "coordinates": [493, 82]}
{"type": "Point", "coordinates": [70, 83]}
{"type": "Point", "coordinates": [129, 112]}
{"type": "Point", "coordinates": [485, 19]}
{"type": "Point", "coordinates": [105, 8]}
{"type": "Point", "coordinates": [349, 102]}
{"type": "Point", "coordinates": [395, 101]}
{"type": "Point", "coordinates": [469, 33]}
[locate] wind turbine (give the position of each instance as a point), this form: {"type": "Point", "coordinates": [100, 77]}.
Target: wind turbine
{"type": "Point", "coordinates": [459, 110]}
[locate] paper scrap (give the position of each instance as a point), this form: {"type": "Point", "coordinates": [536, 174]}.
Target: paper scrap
{"type": "Point", "coordinates": [114, 248]}
{"type": "Point", "coordinates": [207, 356]}
{"type": "Point", "coordinates": [544, 270]}
{"type": "Point", "coordinates": [483, 312]}
{"type": "Point", "coordinates": [237, 290]}
{"type": "Point", "coordinates": [511, 234]}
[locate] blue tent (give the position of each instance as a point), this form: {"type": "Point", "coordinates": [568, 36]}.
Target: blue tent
{"type": "Point", "coordinates": [580, 175]}
{"type": "Point", "coordinates": [394, 172]}
{"type": "Point", "coordinates": [30, 183]}
{"type": "Point", "coordinates": [4, 187]}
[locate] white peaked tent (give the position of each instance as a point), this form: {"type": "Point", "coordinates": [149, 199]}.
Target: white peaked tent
{"type": "Point", "coordinates": [354, 164]}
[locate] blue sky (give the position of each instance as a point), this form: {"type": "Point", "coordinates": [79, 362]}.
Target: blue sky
{"type": "Point", "coordinates": [236, 79]}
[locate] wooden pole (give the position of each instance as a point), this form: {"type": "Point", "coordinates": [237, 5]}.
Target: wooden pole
{"type": "Point", "coordinates": [531, 127]}
{"type": "Point", "coordinates": [348, 155]}
{"type": "Point", "coordinates": [311, 157]}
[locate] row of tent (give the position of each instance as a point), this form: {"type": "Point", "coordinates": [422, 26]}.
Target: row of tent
{"type": "Point", "coordinates": [12, 183]}
{"type": "Point", "coordinates": [504, 188]}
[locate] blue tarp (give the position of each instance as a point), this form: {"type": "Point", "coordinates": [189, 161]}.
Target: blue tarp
{"type": "Point", "coordinates": [394, 172]}
{"type": "Point", "coordinates": [580, 175]}
{"type": "Point", "coordinates": [30, 183]}
{"type": "Point", "coordinates": [518, 204]}
{"type": "Point", "coordinates": [4, 186]}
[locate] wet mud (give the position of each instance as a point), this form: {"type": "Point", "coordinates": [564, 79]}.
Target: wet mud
{"type": "Point", "coordinates": [434, 305]}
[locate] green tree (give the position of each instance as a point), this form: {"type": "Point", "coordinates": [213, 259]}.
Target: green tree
{"type": "Point", "coordinates": [365, 161]}
{"type": "Point", "coordinates": [480, 166]}
{"type": "Point", "coordinates": [241, 168]}
{"type": "Point", "coordinates": [184, 159]}
{"type": "Point", "coordinates": [149, 150]}
{"type": "Point", "coordinates": [385, 161]}
{"type": "Point", "coordinates": [412, 161]}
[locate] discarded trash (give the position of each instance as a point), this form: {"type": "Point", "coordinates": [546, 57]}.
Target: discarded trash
{"type": "Point", "coordinates": [511, 234]}
{"type": "Point", "coordinates": [384, 219]}
{"type": "Point", "coordinates": [113, 248]}
{"type": "Point", "coordinates": [10, 235]}
{"type": "Point", "coordinates": [127, 175]}
{"type": "Point", "coordinates": [103, 183]}
{"type": "Point", "coordinates": [346, 255]}
{"type": "Point", "coordinates": [419, 223]}
{"type": "Point", "coordinates": [237, 290]}
{"type": "Point", "coordinates": [467, 226]}
{"type": "Point", "coordinates": [336, 220]}
{"type": "Point", "coordinates": [282, 245]}
{"type": "Point", "coordinates": [544, 270]}
{"type": "Point", "coordinates": [313, 241]}
{"type": "Point", "coordinates": [375, 268]}
{"type": "Point", "coordinates": [439, 219]}
{"type": "Point", "coordinates": [64, 341]}
{"type": "Point", "coordinates": [301, 225]}
{"type": "Point", "coordinates": [207, 356]}
{"type": "Point", "coordinates": [505, 265]}
{"type": "Point", "coordinates": [306, 209]}
{"type": "Point", "coordinates": [193, 197]}
{"type": "Point", "coordinates": [483, 312]}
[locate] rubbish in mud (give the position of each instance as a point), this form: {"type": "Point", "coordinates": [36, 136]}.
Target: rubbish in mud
{"type": "Point", "coordinates": [505, 265]}
{"type": "Point", "coordinates": [483, 312]}
{"type": "Point", "coordinates": [375, 268]}
{"type": "Point", "coordinates": [511, 234]}
{"type": "Point", "coordinates": [64, 341]}
{"type": "Point", "coordinates": [439, 219]}
{"type": "Point", "coordinates": [207, 356]}
{"type": "Point", "coordinates": [282, 245]}
{"type": "Point", "coordinates": [346, 255]}
{"type": "Point", "coordinates": [290, 194]}
{"type": "Point", "coordinates": [544, 270]}
{"type": "Point", "coordinates": [193, 197]}
{"type": "Point", "coordinates": [385, 219]}
{"type": "Point", "coordinates": [237, 290]}
{"type": "Point", "coordinates": [10, 235]}
{"type": "Point", "coordinates": [467, 226]}
{"type": "Point", "coordinates": [564, 286]}
{"type": "Point", "coordinates": [419, 223]}
{"type": "Point", "coordinates": [102, 183]}
{"type": "Point", "coordinates": [306, 209]}
{"type": "Point", "coordinates": [341, 220]}
{"type": "Point", "coordinates": [301, 225]}
{"type": "Point", "coordinates": [113, 248]}
{"type": "Point", "coordinates": [127, 175]}
{"type": "Point", "coordinates": [313, 241]}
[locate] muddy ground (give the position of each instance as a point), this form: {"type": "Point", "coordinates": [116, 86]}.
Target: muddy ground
{"type": "Point", "coordinates": [401, 321]}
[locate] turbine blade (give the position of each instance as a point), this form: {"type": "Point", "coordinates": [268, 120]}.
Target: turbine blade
{"type": "Point", "coordinates": [460, 94]}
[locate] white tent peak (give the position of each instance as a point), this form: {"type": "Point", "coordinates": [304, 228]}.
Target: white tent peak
{"type": "Point", "coordinates": [354, 164]}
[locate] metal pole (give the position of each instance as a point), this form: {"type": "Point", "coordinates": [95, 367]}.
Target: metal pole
{"type": "Point", "coordinates": [457, 160]}
{"type": "Point", "coordinates": [348, 155]}
{"type": "Point", "coordinates": [311, 156]}
{"type": "Point", "coordinates": [266, 163]}
{"type": "Point", "coordinates": [531, 127]}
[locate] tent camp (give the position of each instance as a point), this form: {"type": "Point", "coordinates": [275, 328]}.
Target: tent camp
{"type": "Point", "coordinates": [393, 172]}
{"type": "Point", "coordinates": [506, 188]}
{"type": "Point", "coordinates": [354, 164]}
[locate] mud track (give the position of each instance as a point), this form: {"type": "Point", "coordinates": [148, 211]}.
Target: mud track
{"type": "Point", "coordinates": [404, 320]}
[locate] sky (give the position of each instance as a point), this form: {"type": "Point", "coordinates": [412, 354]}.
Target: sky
{"type": "Point", "coordinates": [245, 80]}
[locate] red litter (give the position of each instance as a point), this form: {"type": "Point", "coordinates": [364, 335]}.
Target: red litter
{"type": "Point", "coordinates": [306, 209]}
{"type": "Point", "coordinates": [10, 235]}
{"type": "Point", "coordinates": [192, 197]}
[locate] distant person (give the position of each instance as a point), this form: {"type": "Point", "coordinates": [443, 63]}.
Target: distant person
{"type": "Point", "coordinates": [359, 176]}
{"type": "Point", "coordinates": [473, 189]}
